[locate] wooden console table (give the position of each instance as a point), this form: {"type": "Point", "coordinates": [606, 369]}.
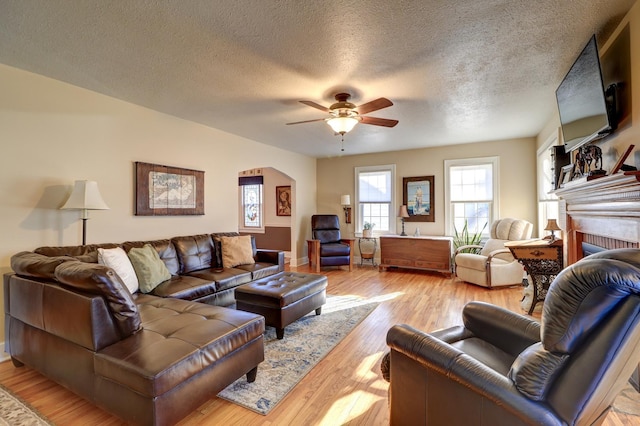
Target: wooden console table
{"type": "Point", "coordinates": [542, 259]}
{"type": "Point", "coordinates": [428, 253]}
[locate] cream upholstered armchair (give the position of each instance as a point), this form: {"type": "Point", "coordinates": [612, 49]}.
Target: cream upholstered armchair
{"type": "Point", "coordinates": [495, 265]}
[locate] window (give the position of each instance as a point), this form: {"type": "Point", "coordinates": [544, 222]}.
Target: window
{"type": "Point", "coordinates": [251, 200]}
{"type": "Point", "coordinates": [375, 194]}
{"type": "Point", "coordinates": [548, 205]}
{"type": "Point", "coordinates": [471, 194]}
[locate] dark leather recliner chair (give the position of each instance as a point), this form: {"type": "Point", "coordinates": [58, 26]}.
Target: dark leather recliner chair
{"type": "Point", "coordinates": [327, 247]}
{"type": "Point", "coordinates": [503, 368]}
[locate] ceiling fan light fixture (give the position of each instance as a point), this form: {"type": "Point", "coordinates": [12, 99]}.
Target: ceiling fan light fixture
{"type": "Point", "coordinates": [342, 125]}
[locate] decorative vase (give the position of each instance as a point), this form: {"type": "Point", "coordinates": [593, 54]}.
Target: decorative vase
{"type": "Point", "coordinates": [366, 233]}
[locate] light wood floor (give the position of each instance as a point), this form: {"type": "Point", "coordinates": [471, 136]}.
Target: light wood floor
{"type": "Point", "coordinates": [346, 388]}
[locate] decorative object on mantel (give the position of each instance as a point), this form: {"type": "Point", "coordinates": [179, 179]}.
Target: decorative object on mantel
{"type": "Point", "coordinates": [418, 196]}
{"type": "Point", "coordinates": [85, 196]}
{"type": "Point", "coordinates": [168, 191]}
{"type": "Point", "coordinates": [587, 156]}
{"type": "Point", "coordinates": [403, 214]}
{"type": "Point", "coordinates": [552, 225]}
{"type": "Point", "coordinates": [345, 201]}
{"type": "Point", "coordinates": [620, 163]}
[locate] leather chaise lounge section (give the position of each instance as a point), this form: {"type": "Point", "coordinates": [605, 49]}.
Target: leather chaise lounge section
{"type": "Point", "coordinates": [150, 359]}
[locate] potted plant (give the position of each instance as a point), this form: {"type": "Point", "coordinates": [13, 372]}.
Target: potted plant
{"type": "Point", "coordinates": [367, 228]}
{"type": "Point", "coordinates": [465, 238]}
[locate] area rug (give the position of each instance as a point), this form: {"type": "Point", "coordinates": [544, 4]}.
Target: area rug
{"type": "Point", "coordinates": [628, 402]}
{"type": "Point", "coordinates": [15, 412]}
{"type": "Point", "coordinates": [305, 343]}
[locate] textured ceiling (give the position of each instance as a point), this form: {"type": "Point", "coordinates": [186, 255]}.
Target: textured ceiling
{"type": "Point", "coordinates": [457, 70]}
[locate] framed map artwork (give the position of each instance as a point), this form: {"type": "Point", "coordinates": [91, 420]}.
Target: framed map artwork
{"type": "Point", "coordinates": [168, 191]}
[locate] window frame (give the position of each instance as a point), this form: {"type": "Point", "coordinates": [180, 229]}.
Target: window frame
{"type": "Point", "coordinates": [495, 203]}
{"type": "Point", "coordinates": [359, 221]}
{"type": "Point", "coordinates": [243, 227]}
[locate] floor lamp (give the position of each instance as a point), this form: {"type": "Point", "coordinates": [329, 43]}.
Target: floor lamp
{"type": "Point", "coordinates": [85, 196]}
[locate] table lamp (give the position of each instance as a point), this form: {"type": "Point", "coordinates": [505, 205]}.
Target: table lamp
{"type": "Point", "coordinates": [345, 201]}
{"type": "Point", "coordinates": [403, 214]}
{"type": "Point", "coordinates": [552, 226]}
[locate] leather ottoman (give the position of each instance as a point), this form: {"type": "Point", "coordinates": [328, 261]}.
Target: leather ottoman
{"type": "Point", "coordinates": [283, 298]}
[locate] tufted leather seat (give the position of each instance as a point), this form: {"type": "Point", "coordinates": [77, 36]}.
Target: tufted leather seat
{"type": "Point", "coordinates": [505, 368]}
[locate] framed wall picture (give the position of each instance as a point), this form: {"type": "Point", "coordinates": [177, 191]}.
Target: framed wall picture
{"type": "Point", "coordinates": [168, 191]}
{"type": "Point", "coordinates": [283, 200]}
{"type": "Point", "coordinates": [417, 195]}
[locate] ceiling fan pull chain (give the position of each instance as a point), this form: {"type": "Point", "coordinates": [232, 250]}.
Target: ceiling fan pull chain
{"type": "Point", "coordinates": [342, 143]}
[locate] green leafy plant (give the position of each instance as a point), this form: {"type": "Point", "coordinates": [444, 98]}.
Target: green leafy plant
{"type": "Point", "coordinates": [465, 238]}
{"type": "Point", "coordinates": [368, 225]}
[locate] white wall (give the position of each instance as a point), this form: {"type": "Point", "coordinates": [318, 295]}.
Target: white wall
{"type": "Point", "coordinates": [53, 133]}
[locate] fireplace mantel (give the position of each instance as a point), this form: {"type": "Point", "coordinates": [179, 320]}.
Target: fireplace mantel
{"type": "Point", "coordinates": [603, 211]}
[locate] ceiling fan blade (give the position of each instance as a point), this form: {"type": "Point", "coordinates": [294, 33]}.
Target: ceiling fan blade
{"type": "Point", "coordinates": [379, 121]}
{"type": "Point", "coordinates": [306, 121]}
{"type": "Point", "coordinates": [315, 105]}
{"type": "Point", "coordinates": [374, 105]}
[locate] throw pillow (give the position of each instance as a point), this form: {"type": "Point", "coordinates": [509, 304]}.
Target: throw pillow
{"type": "Point", "coordinates": [117, 259]}
{"type": "Point", "coordinates": [149, 268]}
{"type": "Point", "coordinates": [236, 251]}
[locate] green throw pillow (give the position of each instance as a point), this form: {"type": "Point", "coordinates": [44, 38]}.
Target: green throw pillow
{"type": "Point", "coordinates": [149, 268]}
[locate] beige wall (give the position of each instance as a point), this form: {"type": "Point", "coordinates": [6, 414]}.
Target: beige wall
{"type": "Point", "coordinates": [52, 133]}
{"type": "Point", "coordinates": [517, 178]}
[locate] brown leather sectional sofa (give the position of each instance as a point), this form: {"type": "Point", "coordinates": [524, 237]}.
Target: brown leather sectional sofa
{"type": "Point", "coordinates": [148, 358]}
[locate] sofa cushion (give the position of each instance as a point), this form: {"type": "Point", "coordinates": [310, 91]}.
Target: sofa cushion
{"type": "Point", "coordinates": [195, 252]}
{"type": "Point", "coordinates": [179, 339]}
{"type": "Point", "coordinates": [185, 287]}
{"type": "Point", "coordinates": [236, 251]}
{"type": "Point", "coordinates": [36, 265]}
{"type": "Point", "coordinates": [260, 270]}
{"type": "Point", "coordinates": [165, 249]}
{"type": "Point", "coordinates": [150, 269]}
{"type": "Point", "coordinates": [102, 280]}
{"type": "Point", "coordinates": [224, 278]}
{"type": "Point", "coordinates": [117, 259]}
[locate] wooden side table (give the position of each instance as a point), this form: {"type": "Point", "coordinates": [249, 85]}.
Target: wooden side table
{"type": "Point", "coordinates": [542, 259]}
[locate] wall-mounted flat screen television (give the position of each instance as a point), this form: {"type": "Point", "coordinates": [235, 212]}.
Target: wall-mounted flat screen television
{"type": "Point", "coordinates": [582, 103]}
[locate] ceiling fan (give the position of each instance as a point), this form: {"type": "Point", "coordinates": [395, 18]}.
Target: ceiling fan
{"type": "Point", "coordinates": [344, 115]}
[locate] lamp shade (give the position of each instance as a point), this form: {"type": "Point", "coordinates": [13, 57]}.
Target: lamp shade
{"type": "Point", "coordinates": [402, 212]}
{"type": "Point", "coordinates": [85, 196]}
{"type": "Point", "coordinates": [552, 225]}
{"type": "Point", "coordinates": [342, 125]}
{"type": "Point", "coordinates": [345, 200]}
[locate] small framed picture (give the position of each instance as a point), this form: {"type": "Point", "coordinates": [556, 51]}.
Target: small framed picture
{"type": "Point", "coordinates": [565, 175]}
{"type": "Point", "coordinates": [283, 200]}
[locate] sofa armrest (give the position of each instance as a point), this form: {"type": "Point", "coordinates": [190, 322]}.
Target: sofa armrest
{"type": "Point", "coordinates": [271, 256]}
{"type": "Point", "coordinates": [417, 357]}
{"type": "Point", "coordinates": [498, 253]}
{"type": "Point", "coordinates": [504, 329]}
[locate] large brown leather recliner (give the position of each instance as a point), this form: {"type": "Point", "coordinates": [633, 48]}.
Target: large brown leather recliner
{"type": "Point", "coordinates": [502, 368]}
{"type": "Point", "coordinates": [327, 247]}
